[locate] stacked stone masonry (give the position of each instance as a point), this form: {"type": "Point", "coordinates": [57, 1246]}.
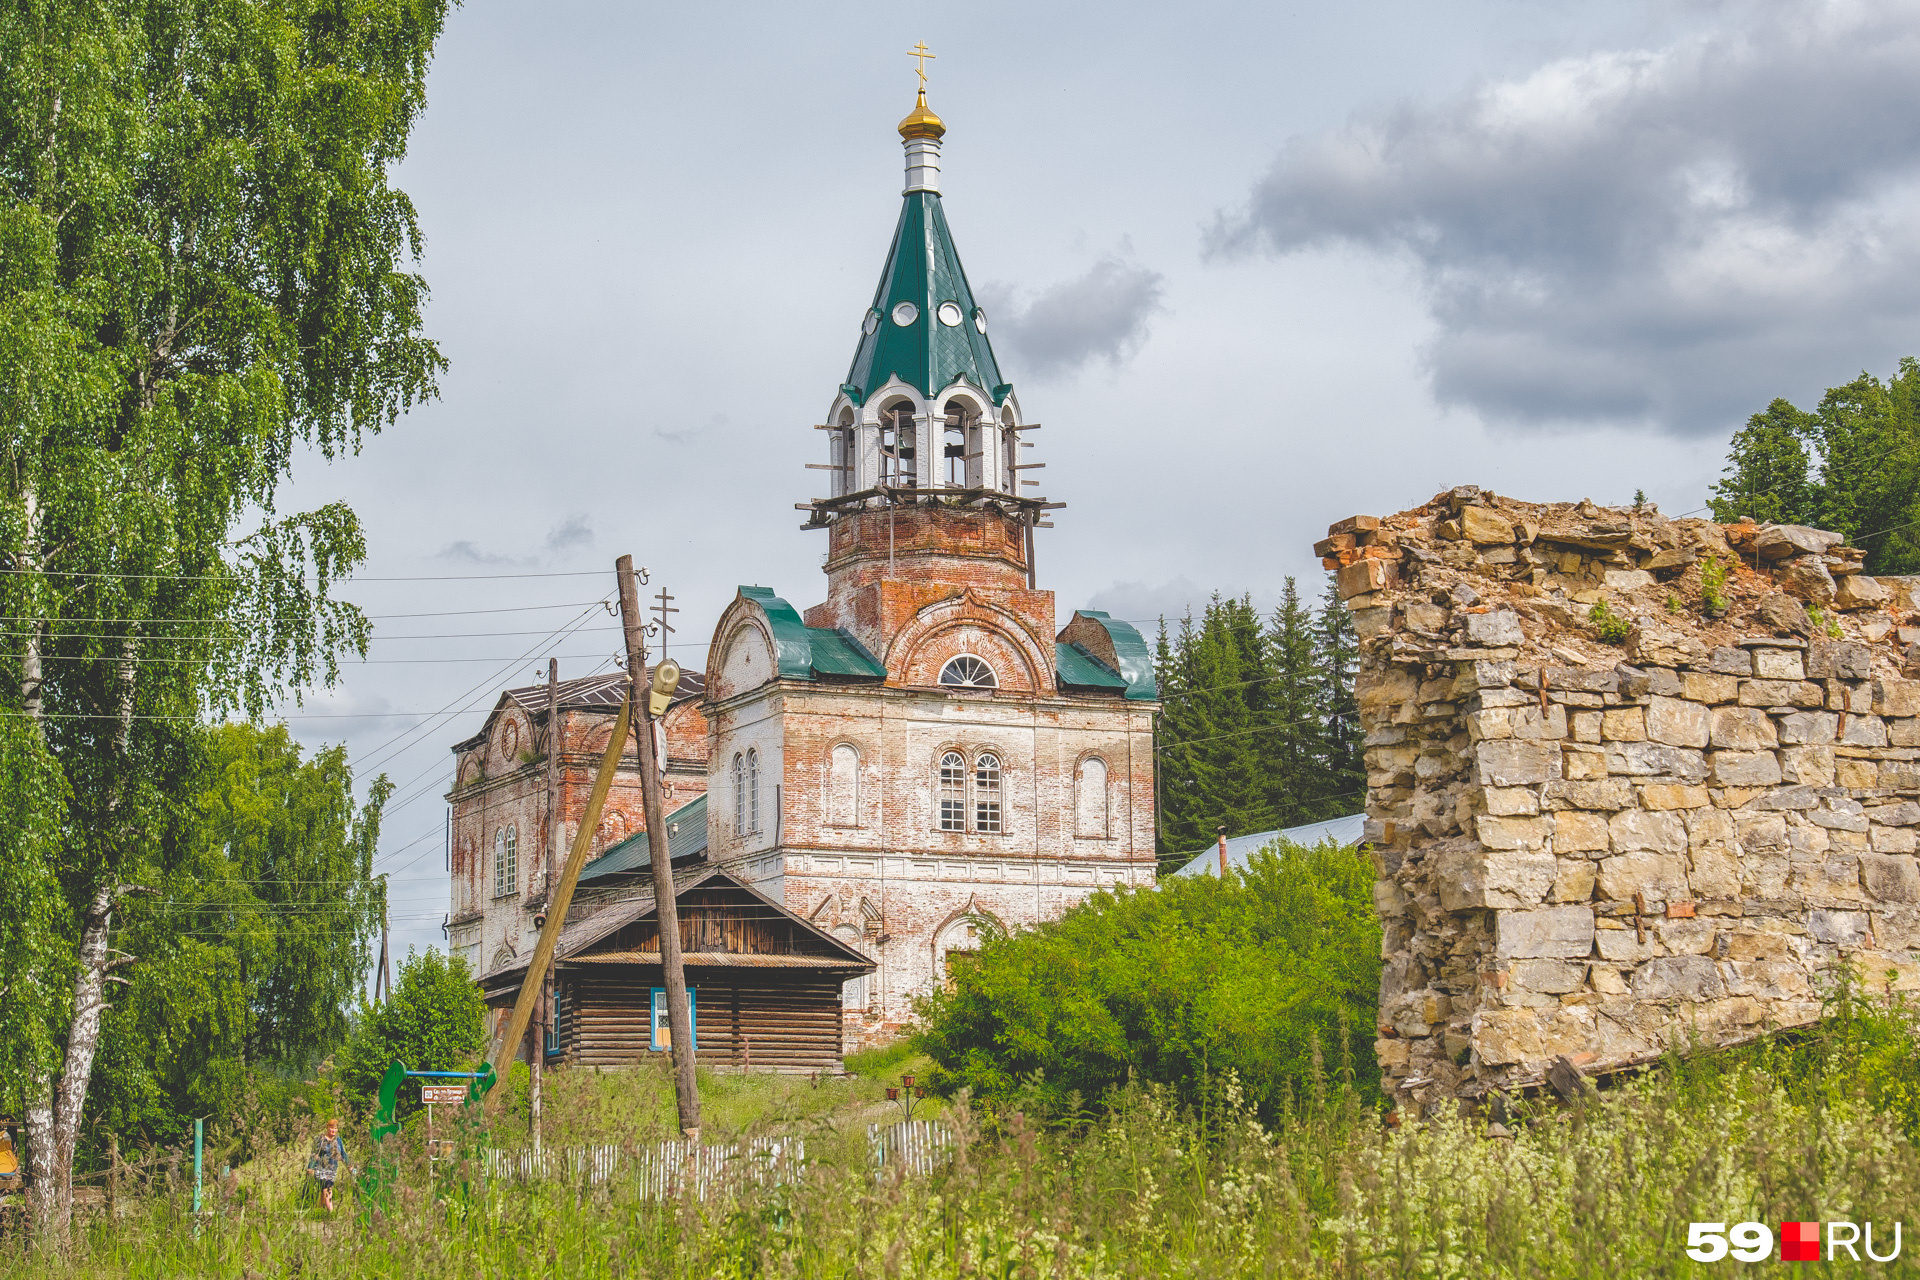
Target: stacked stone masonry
{"type": "Point", "coordinates": [1633, 782]}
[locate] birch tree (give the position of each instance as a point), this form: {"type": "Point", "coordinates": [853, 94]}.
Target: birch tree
{"type": "Point", "coordinates": [204, 270]}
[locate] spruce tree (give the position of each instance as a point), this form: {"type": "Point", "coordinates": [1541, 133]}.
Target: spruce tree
{"type": "Point", "coordinates": [1336, 659]}
{"type": "Point", "coordinates": [1292, 742]}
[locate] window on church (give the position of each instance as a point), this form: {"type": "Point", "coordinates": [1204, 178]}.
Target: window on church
{"type": "Point", "coordinates": [953, 792]}
{"type": "Point", "coordinates": [1090, 799]}
{"type": "Point", "coordinates": [844, 458]}
{"type": "Point", "coordinates": [986, 795]}
{"type": "Point", "coordinates": [897, 462]}
{"type": "Point", "coordinates": [753, 789]}
{"type": "Point", "coordinates": [739, 777]}
{"type": "Point", "coordinates": [505, 856]}
{"type": "Point", "coordinates": [843, 788]}
{"type": "Point", "coordinates": [968, 672]}
{"type": "Point", "coordinates": [1009, 454]}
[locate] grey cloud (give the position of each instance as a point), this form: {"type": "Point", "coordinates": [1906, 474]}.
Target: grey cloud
{"type": "Point", "coordinates": [1100, 315]}
{"type": "Point", "coordinates": [574, 531]}
{"type": "Point", "coordinates": [467, 552]}
{"type": "Point", "coordinates": [1663, 238]}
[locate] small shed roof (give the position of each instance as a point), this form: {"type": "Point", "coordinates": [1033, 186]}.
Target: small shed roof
{"type": "Point", "coordinates": [578, 937]}
{"type": "Point", "coordinates": [1348, 830]}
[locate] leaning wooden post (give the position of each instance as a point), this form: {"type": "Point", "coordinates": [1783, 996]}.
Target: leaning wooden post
{"type": "Point", "coordinates": [679, 1023]}
{"type": "Point", "coordinates": [561, 899]}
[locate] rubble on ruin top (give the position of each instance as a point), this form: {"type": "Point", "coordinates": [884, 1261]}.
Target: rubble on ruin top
{"type": "Point", "coordinates": [1460, 575]}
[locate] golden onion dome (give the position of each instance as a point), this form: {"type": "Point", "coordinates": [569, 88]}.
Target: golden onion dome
{"type": "Point", "coordinates": [922, 123]}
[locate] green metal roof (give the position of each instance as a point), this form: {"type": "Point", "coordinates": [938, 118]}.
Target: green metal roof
{"type": "Point", "coordinates": [806, 652]}
{"type": "Point", "coordinates": [923, 269]}
{"type": "Point", "coordinates": [1131, 657]}
{"type": "Point", "coordinates": [795, 649]}
{"type": "Point", "coordinates": [686, 836]}
{"type": "Point", "coordinates": [835, 653]}
{"type": "Point", "coordinates": [1076, 667]}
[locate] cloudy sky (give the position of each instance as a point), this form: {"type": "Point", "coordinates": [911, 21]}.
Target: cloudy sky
{"type": "Point", "coordinates": [1256, 268]}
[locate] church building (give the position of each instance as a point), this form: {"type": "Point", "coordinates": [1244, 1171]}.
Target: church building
{"type": "Point", "coordinates": [927, 754]}
{"type": "Point", "coordinates": [860, 793]}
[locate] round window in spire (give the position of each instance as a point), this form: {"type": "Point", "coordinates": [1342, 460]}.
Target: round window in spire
{"type": "Point", "coordinates": [905, 313]}
{"type": "Point", "coordinates": [949, 314]}
{"type": "Point", "coordinates": [968, 672]}
{"type": "Point", "coordinates": [871, 323]}
{"type": "Point", "coordinates": [980, 319]}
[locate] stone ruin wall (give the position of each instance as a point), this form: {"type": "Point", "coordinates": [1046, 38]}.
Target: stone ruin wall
{"type": "Point", "coordinates": [1595, 850]}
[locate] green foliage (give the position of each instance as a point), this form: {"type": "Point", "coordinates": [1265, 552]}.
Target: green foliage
{"type": "Point", "coordinates": [204, 270]}
{"type": "Point", "coordinates": [1674, 603]}
{"type": "Point", "coordinates": [1713, 585]}
{"type": "Point", "coordinates": [435, 1021]}
{"type": "Point", "coordinates": [1824, 623]}
{"type": "Point", "coordinates": [1259, 974]}
{"type": "Point", "coordinates": [1790, 1129]}
{"type": "Point", "coordinates": [252, 950]}
{"type": "Point", "coordinates": [1852, 465]}
{"type": "Point", "coordinates": [1259, 728]}
{"type": "Point", "coordinates": [1608, 625]}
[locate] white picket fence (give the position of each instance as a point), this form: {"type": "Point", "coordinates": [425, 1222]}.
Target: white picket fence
{"type": "Point", "coordinates": [665, 1170]}
{"type": "Point", "coordinates": [919, 1146]}
{"type": "Point", "coordinates": [671, 1170]}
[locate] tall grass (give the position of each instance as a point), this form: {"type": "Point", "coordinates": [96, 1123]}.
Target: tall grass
{"type": "Point", "coordinates": [1798, 1129]}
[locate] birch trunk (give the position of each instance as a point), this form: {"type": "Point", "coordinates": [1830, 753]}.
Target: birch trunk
{"type": "Point", "coordinates": [53, 1171]}
{"type": "Point", "coordinates": [42, 1186]}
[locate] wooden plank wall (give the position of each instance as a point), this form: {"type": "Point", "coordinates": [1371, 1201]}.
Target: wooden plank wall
{"type": "Point", "coordinates": [720, 918]}
{"type": "Point", "coordinates": [755, 1019]}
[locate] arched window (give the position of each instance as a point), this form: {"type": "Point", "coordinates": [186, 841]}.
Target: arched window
{"type": "Point", "coordinates": [968, 672]}
{"type": "Point", "coordinates": [953, 792]}
{"type": "Point", "coordinates": [739, 794]}
{"type": "Point", "coordinates": [843, 788]}
{"type": "Point", "coordinates": [502, 880]}
{"type": "Point", "coordinates": [1090, 799]}
{"type": "Point", "coordinates": [1009, 453]}
{"type": "Point", "coordinates": [986, 794]}
{"type": "Point", "coordinates": [513, 860]}
{"type": "Point", "coordinates": [842, 454]}
{"type": "Point", "coordinates": [962, 452]}
{"type": "Point", "coordinates": [897, 454]}
{"type": "Point", "coordinates": [753, 789]}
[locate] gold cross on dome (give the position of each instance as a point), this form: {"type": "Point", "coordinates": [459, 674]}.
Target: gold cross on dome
{"type": "Point", "coordinates": [919, 51]}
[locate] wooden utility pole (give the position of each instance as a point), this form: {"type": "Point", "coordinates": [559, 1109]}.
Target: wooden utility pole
{"type": "Point", "coordinates": [679, 1023]}
{"type": "Point", "coordinates": [383, 976]}
{"type": "Point", "coordinates": [543, 1024]}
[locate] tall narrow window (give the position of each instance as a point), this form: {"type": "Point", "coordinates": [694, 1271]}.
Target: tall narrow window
{"type": "Point", "coordinates": [986, 795]}
{"type": "Point", "coordinates": [953, 792]}
{"type": "Point", "coordinates": [753, 789]}
{"type": "Point", "coordinates": [502, 886]}
{"type": "Point", "coordinates": [955, 452]}
{"type": "Point", "coordinates": [897, 461]}
{"type": "Point", "coordinates": [843, 788]}
{"type": "Point", "coordinates": [1009, 455]}
{"type": "Point", "coordinates": [739, 794]}
{"type": "Point", "coordinates": [513, 860]}
{"type": "Point", "coordinates": [1090, 801]}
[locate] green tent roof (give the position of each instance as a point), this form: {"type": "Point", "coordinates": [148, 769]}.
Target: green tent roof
{"type": "Point", "coordinates": [923, 269]}
{"type": "Point", "coordinates": [806, 652]}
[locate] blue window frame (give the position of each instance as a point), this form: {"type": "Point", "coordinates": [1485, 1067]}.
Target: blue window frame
{"type": "Point", "coordinates": [662, 1028]}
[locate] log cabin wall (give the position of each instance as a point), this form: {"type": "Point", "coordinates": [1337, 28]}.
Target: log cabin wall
{"type": "Point", "coordinates": [759, 1019]}
{"type": "Point", "coordinates": [717, 919]}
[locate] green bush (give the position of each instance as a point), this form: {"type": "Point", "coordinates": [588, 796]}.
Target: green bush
{"type": "Point", "coordinates": [435, 1021]}
{"type": "Point", "coordinates": [1265, 974]}
{"type": "Point", "coordinates": [1609, 626]}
